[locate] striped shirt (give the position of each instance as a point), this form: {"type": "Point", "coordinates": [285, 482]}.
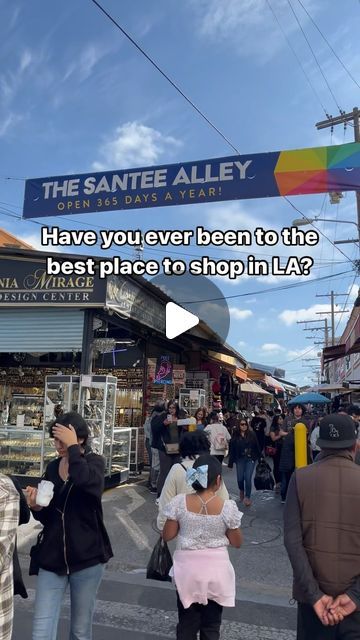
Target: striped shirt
{"type": "Point", "coordinates": [9, 518]}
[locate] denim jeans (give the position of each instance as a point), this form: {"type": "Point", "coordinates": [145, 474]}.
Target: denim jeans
{"type": "Point", "coordinates": [50, 592]}
{"type": "Point", "coordinates": [285, 479]}
{"type": "Point", "coordinates": [244, 470]}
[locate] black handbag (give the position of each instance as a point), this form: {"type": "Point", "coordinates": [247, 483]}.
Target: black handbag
{"type": "Point", "coordinates": [160, 562]}
{"type": "Point", "coordinates": [35, 555]}
{"type": "Point", "coordinates": [263, 480]}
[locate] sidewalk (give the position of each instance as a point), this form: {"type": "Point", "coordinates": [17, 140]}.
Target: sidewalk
{"type": "Point", "coordinates": [141, 608]}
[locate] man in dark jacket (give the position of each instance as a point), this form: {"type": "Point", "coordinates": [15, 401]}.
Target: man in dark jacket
{"type": "Point", "coordinates": [322, 536]}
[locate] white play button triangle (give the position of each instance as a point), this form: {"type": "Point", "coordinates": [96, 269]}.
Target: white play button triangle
{"type": "Point", "coordinates": [178, 320]}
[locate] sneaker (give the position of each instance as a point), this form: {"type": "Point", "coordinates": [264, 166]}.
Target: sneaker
{"type": "Point", "coordinates": [157, 501]}
{"type": "Point", "coordinates": [152, 489]}
{"type": "Point", "coordinates": [283, 501]}
{"type": "Point", "coordinates": [247, 502]}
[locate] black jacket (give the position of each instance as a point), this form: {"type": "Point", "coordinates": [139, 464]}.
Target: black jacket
{"type": "Point", "coordinates": [246, 447]}
{"type": "Point", "coordinates": [74, 536]}
{"type": "Point", "coordinates": [162, 433]}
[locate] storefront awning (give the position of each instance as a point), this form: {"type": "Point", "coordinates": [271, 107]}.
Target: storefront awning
{"type": "Point", "coordinates": [241, 375]}
{"type": "Point", "coordinates": [349, 345]}
{"type": "Point", "coordinates": [271, 382]}
{"type": "Point", "coordinates": [251, 387]}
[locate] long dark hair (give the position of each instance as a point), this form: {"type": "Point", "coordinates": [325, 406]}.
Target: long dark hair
{"type": "Point", "coordinates": [275, 422]}
{"type": "Point", "coordinates": [237, 433]}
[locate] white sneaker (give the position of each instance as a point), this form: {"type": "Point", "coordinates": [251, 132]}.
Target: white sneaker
{"type": "Point", "coordinates": [157, 501]}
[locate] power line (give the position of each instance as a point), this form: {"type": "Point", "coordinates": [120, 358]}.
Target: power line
{"type": "Point", "coordinates": [345, 303]}
{"type": "Point", "coordinates": [319, 230]}
{"type": "Point", "coordinates": [297, 58]}
{"type": "Point", "coordinates": [329, 45]}
{"type": "Point", "coordinates": [271, 289]}
{"type": "Point", "coordinates": [165, 75]}
{"type": "Point", "coordinates": [314, 55]}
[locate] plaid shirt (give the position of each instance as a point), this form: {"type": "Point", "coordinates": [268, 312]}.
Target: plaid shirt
{"type": "Point", "coordinates": [9, 518]}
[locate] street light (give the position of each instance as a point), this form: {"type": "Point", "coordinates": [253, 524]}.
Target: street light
{"type": "Point", "coordinates": [299, 222]}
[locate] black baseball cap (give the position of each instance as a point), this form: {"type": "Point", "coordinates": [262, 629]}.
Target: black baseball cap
{"type": "Point", "coordinates": [337, 431]}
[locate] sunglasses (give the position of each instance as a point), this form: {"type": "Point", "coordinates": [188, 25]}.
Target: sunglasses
{"type": "Point", "coordinates": [243, 423]}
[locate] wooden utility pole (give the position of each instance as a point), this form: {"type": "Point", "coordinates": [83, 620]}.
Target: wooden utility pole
{"type": "Point", "coordinates": [332, 311]}
{"type": "Point", "coordinates": [353, 116]}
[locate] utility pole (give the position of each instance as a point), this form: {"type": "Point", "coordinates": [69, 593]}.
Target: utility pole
{"type": "Point", "coordinates": [332, 297]}
{"type": "Point", "coordinates": [325, 328]}
{"type": "Point", "coordinates": [343, 118]}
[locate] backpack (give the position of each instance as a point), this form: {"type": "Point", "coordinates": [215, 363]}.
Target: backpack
{"type": "Point", "coordinates": [219, 442]}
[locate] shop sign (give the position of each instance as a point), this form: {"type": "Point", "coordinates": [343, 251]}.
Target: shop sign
{"type": "Point", "coordinates": [164, 370]}
{"type": "Point", "coordinates": [261, 175]}
{"type": "Point", "coordinates": [26, 283]}
{"type": "Point", "coordinates": [132, 301]}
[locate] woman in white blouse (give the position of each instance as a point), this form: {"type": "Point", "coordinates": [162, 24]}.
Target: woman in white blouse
{"type": "Point", "coordinates": [204, 525]}
{"type": "Point", "coordinates": [192, 444]}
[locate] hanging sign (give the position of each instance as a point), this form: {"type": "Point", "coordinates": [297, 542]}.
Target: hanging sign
{"type": "Point", "coordinates": [164, 370]}
{"type": "Point", "coordinates": [261, 175]}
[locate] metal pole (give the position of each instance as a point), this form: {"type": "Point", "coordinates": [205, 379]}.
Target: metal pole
{"type": "Point", "coordinates": [357, 139]}
{"type": "Point", "coordinates": [332, 318]}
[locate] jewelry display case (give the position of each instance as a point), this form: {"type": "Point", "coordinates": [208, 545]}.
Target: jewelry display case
{"type": "Point", "coordinates": [26, 409]}
{"type": "Point", "coordinates": [97, 406]}
{"type": "Point", "coordinates": [61, 395]}
{"type": "Point", "coordinates": [25, 452]}
{"type": "Point", "coordinates": [120, 454]}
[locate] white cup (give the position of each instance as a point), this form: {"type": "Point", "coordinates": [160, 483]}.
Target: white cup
{"type": "Point", "coordinates": [45, 492]}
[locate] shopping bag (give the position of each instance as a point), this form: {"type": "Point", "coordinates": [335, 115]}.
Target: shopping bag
{"type": "Point", "coordinates": [263, 480]}
{"type": "Point", "coordinates": [160, 562]}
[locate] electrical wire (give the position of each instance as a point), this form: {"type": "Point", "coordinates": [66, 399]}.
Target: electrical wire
{"type": "Point", "coordinates": [269, 290]}
{"type": "Point", "coordinates": [345, 303]}
{"type": "Point", "coordinates": [319, 230]}
{"type": "Point", "coordinates": [297, 58]}
{"type": "Point", "coordinates": [165, 75]}
{"type": "Point", "coordinates": [314, 56]}
{"type": "Point", "coordinates": [329, 45]}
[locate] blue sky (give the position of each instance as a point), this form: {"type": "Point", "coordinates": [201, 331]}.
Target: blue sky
{"type": "Point", "coordinates": [76, 96]}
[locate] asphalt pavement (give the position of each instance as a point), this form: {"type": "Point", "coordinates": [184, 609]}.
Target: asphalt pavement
{"type": "Point", "coordinates": [141, 609]}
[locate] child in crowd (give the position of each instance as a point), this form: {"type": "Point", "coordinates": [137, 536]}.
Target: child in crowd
{"type": "Point", "coordinates": [203, 574]}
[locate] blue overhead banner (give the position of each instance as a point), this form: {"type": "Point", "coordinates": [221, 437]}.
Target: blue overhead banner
{"type": "Point", "coordinates": [278, 173]}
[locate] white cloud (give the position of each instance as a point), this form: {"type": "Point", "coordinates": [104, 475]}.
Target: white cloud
{"type": "Point", "coordinates": [241, 343]}
{"type": "Point", "coordinates": [308, 352]}
{"type": "Point", "coordinates": [272, 347]}
{"type": "Point", "coordinates": [240, 314]}
{"type": "Point", "coordinates": [134, 144]}
{"type": "Point", "coordinates": [85, 62]}
{"type": "Point", "coordinates": [25, 60]}
{"type": "Point", "coordinates": [315, 312]}
{"type": "Point", "coordinates": [10, 121]}
{"type": "Point", "coordinates": [246, 23]}
{"type": "Point", "coordinates": [292, 316]}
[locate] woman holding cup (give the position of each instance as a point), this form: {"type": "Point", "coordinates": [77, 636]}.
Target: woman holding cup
{"type": "Point", "coordinates": [74, 545]}
{"type": "Point", "coordinates": [166, 436]}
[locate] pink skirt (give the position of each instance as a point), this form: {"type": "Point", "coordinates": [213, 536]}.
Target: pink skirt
{"type": "Point", "coordinates": [204, 574]}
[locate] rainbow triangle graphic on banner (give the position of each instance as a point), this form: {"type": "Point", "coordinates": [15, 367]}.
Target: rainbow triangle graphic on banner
{"type": "Point", "coordinates": [318, 169]}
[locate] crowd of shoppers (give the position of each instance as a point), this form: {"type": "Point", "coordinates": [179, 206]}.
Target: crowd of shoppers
{"type": "Point", "coordinates": [321, 519]}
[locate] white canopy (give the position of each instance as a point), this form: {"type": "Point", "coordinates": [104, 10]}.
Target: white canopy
{"type": "Point", "coordinates": [251, 387]}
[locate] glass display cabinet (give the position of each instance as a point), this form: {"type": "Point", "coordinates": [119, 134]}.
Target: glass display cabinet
{"type": "Point", "coordinates": [25, 446]}
{"type": "Point", "coordinates": [61, 395]}
{"type": "Point", "coordinates": [97, 406]}
{"type": "Point", "coordinates": [25, 452]}
{"type": "Point", "coordinates": [120, 454]}
{"type": "Point", "coordinates": [26, 411]}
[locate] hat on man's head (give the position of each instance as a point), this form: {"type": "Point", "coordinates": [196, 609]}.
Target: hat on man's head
{"type": "Point", "coordinates": [337, 431]}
